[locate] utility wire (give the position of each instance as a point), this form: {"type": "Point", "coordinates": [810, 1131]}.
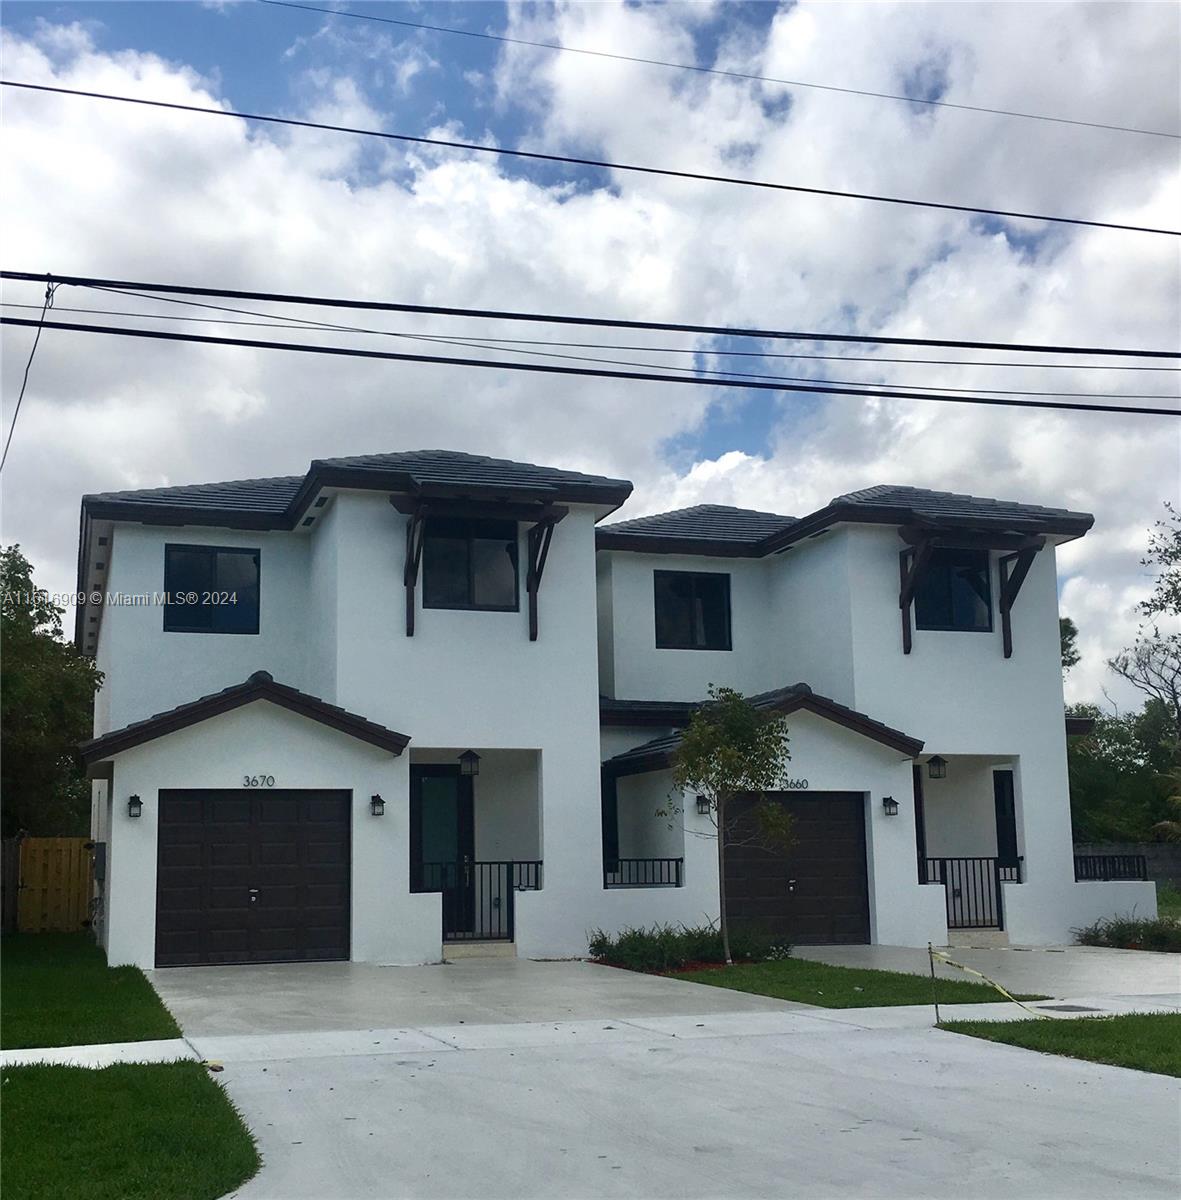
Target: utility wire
{"type": "Point", "coordinates": [101, 283]}
{"type": "Point", "coordinates": [589, 372]}
{"type": "Point", "coordinates": [596, 163]}
{"type": "Point", "coordinates": [50, 288]}
{"type": "Point", "coordinates": [495, 344]}
{"type": "Point", "coordinates": [694, 350]}
{"type": "Point", "coordinates": [656, 62]}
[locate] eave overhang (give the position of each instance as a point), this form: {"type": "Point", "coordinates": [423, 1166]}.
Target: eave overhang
{"type": "Point", "coordinates": [260, 686]}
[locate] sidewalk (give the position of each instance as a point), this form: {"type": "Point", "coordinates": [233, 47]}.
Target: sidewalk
{"type": "Point", "coordinates": [533, 1034]}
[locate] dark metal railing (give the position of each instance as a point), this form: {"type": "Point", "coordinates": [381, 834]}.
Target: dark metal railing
{"type": "Point", "coordinates": [643, 872]}
{"type": "Point", "coordinates": [973, 889]}
{"type": "Point", "coordinates": [478, 897]}
{"type": "Point", "coordinates": [527, 876]}
{"type": "Point", "coordinates": [1090, 868]}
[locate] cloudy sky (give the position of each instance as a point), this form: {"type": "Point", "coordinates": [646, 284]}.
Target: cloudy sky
{"type": "Point", "coordinates": [103, 189]}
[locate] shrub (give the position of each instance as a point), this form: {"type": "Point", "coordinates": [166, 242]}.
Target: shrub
{"type": "Point", "coordinates": [667, 947]}
{"type": "Point", "coordinates": [1132, 933]}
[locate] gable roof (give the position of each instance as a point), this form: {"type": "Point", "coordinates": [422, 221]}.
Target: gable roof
{"type": "Point", "coordinates": [656, 755]}
{"type": "Point", "coordinates": [703, 529]}
{"type": "Point", "coordinates": [735, 532]}
{"type": "Point", "coordinates": [259, 686]}
{"type": "Point", "coordinates": [280, 502]}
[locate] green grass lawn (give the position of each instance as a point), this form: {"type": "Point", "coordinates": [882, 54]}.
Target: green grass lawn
{"type": "Point", "coordinates": [160, 1132]}
{"type": "Point", "coordinates": [841, 987]}
{"type": "Point", "coordinates": [1168, 901]}
{"type": "Point", "coordinates": [1144, 1042]}
{"type": "Point", "coordinates": [57, 990]}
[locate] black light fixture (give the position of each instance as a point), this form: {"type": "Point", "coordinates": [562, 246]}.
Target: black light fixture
{"type": "Point", "coordinates": [890, 805]}
{"type": "Point", "coordinates": [703, 806]}
{"type": "Point", "coordinates": [469, 763]}
{"type": "Point", "coordinates": [135, 806]}
{"type": "Point", "coordinates": [377, 805]}
{"type": "Point", "coordinates": [937, 767]}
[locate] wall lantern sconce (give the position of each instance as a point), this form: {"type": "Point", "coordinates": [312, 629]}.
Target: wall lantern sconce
{"type": "Point", "coordinates": [377, 805]}
{"type": "Point", "coordinates": [135, 806]}
{"type": "Point", "coordinates": [937, 767]}
{"type": "Point", "coordinates": [703, 806]}
{"type": "Point", "coordinates": [469, 763]}
{"type": "Point", "coordinates": [890, 806]}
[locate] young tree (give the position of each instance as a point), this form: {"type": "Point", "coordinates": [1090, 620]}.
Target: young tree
{"type": "Point", "coordinates": [46, 704]}
{"type": "Point", "coordinates": [1067, 635]}
{"type": "Point", "coordinates": [1152, 664]}
{"type": "Point", "coordinates": [730, 749]}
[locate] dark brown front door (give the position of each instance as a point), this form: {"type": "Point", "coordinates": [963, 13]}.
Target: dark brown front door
{"type": "Point", "coordinates": [815, 892]}
{"type": "Point", "coordinates": [252, 876]}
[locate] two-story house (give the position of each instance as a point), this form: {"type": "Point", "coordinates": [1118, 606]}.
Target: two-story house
{"type": "Point", "coordinates": [407, 703]}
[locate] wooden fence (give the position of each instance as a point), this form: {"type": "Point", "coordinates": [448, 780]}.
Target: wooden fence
{"type": "Point", "coordinates": [54, 886]}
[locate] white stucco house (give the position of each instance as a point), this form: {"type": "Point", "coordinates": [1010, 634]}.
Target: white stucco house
{"type": "Point", "coordinates": [409, 702]}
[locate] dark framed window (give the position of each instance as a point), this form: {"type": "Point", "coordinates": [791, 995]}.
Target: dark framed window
{"type": "Point", "coordinates": [955, 592]}
{"type": "Point", "coordinates": [470, 564]}
{"type": "Point", "coordinates": [210, 589]}
{"type": "Point", "coordinates": [692, 610]}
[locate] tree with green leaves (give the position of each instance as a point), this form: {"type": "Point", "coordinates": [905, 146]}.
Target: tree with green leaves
{"type": "Point", "coordinates": [1152, 664]}
{"type": "Point", "coordinates": [1119, 774]}
{"type": "Point", "coordinates": [46, 708]}
{"type": "Point", "coordinates": [732, 749]}
{"type": "Point", "coordinates": [1067, 636]}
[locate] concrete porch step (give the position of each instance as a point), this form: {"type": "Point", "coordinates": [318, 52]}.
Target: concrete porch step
{"type": "Point", "coordinates": [454, 950]}
{"type": "Point", "coordinates": [977, 939]}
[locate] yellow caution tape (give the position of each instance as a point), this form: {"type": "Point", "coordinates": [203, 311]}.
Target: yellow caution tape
{"type": "Point", "coordinates": [951, 962]}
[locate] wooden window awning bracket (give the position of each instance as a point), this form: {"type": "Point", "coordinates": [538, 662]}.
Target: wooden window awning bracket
{"type": "Point", "coordinates": [911, 564]}
{"type": "Point", "coordinates": [415, 532]}
{"type": "Point", "coordinates": [539, 538]}
{"type": "Point", "coordinates": [1014, 568]}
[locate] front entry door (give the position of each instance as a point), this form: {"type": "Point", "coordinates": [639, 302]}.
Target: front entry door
{"type": "Point", "coordinates": [442, 841]}
{"type": "Point", "coordinates": [1006, 818]}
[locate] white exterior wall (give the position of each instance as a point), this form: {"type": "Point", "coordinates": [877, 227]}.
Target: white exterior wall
{"type": "Point", "coordinates": [642, 672]}
{"type": "Point", "coordinates": [960, 695]}
{"type": "Point", "coordinates": [473, 679]}
{"type": "Point", "coordinates": [811, 617]}
{"type": "Point", "coordinates": [389, 923]}
{"type": "Point", "coordinates": [150, 671]}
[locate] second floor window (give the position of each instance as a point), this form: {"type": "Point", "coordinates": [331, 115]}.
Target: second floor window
{"type": "Point", "coordinates": [470, 564]}
{"type": "Point", "coordinates": [954, 592]}
{"type": "Point", "coordinates": [211, 589]}
{"type": "Point", "coordinates": [692, 610]}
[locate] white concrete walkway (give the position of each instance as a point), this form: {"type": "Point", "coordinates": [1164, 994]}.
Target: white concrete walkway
{"type": "Point", "coordinates": [1042, 970]}
{"type": "Point", "coordinates": [104, 1054]}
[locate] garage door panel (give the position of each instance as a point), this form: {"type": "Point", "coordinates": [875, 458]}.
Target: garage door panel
{"type": "Point", "coordinates": [816, 891]}
{"type": "Point", "coordinates": [289, 849]}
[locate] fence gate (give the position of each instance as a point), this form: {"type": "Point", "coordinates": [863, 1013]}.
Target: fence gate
{"type": "Point", "coordinates": [54, 892]}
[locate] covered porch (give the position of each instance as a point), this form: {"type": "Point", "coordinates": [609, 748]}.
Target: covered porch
{"type": "Point", "coordinates": [475, 836]}
{"type": "Point", "coordinates": [968, 833]}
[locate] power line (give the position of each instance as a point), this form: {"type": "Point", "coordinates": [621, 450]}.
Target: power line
{"type": "Point", "coordinates": [589, 372]}
{"type": "Point", "coordinates": [656, 62]}
{"type": "Point", "coordinates": [596, 163]}
{"type": "Point", "coordinates": [50, 288]}
{"type": "Point", "coordinates": [102, 283]}
{"type": "Point", "coordinates": [694, 350]}
{"type": "Point", "coordinates": [497, 344]}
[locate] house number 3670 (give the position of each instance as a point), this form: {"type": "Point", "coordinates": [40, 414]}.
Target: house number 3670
{"type": "Point", "coordinates": [258, 781]}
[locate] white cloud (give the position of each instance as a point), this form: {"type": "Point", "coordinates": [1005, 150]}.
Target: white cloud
{"type": "Point", "coordinates": [113, 190]}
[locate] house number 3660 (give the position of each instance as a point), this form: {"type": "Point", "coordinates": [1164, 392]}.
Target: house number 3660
{"type": "Point", "coordinates": [258, 781]}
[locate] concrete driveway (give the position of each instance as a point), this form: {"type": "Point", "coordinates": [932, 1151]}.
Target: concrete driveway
{"type": "Point", "coordinates": [565, 1080]}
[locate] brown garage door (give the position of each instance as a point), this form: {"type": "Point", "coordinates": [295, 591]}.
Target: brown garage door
{"type": "Point", "coordinates": [814, 892]}
{"type": "Point", "coordinates": [252, 876]}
